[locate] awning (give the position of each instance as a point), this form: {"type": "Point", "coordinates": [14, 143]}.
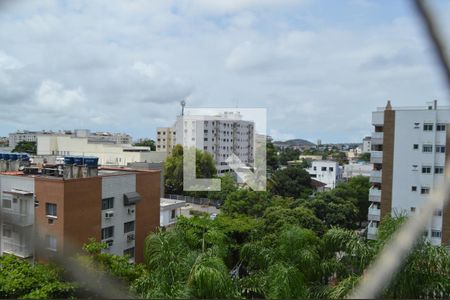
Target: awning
{"type": "Point", "coordinates": [131, 198]}
{"type": "Point", "coordinates": [18, 192]}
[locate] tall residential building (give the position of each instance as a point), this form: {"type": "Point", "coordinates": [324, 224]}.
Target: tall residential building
{"type": "Point", "coordinates": [93, 137]}
{"type": "Point", "coordinates": [66, 205]}
{"type": "Point", "coordinates": [220, 135]}
{"type": "Point", "coordinates": [367, 144]}
{"type": "Point", "coordinates": [165, 139]}
{"type": "Point", "coordinates": [409, 150]}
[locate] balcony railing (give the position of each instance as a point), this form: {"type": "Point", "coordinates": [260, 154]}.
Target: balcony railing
{"type": "Point", "coordinates": [16, 249]}
{"type": "Point", "coordinates": [374, 194]}
{"type": "Point", "coordinates": [376, 157]}
{"type": "Point", "coordinates": [16, 218]}
{"type": "Point", "coordinates": [377, 138]}
{"type": "Point", "coordinates": [372, 231]}
{"type": "Point", "coordinates": [373, 213]}
{"type": "Point", "coordinates": [375, 176]}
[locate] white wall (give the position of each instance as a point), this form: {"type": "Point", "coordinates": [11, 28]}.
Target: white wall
{"type": "Point", "coordinates": [331, 175]}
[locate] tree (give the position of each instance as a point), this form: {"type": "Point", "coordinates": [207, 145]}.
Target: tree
{"type": "Point", "coordinates": [288, 154]}
{"type": "Point", "coordinates": [271, 157]}
{"type": "Point", "coordinates": [27, 147]}
{"type": "Point", "coordinates": [246, 202]}
{"type": "Point", "coordinates": [365, 157]}
{"type": "Point", "coordinates": [20, 279]}
{"type": "Point", "coordinates": [147, 143]}
{"type": "Point", "coordinates": [228, 185]}
{"type": "Point", "coordinates": [173, 169]}
{"type": "Point", "coordinates": [292, 181]}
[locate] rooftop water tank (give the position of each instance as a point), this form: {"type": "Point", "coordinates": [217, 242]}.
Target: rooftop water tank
{"type": "Point", "coordinates": [69, 160]}
{"type": "Point", "coordinates": [78, 160]}
{"type": "Point", "coordinates": [13, 156]}
{"type": "Point", "coordinates": [91, 161]}
{"type": "Point", "coordinates": [6, 156]}
{"type": "Point", "coordinates": [24, 156]}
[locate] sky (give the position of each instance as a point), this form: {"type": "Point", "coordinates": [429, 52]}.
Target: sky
{"type": "Point", "coordinates": [319, 68]}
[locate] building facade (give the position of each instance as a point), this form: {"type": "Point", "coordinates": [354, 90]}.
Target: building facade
{"type": "Point", "coordinates": [219, 135]}
{"type": "Point", "coordinates": [326, 171]}
{"type": "Point", "coordinates": [43, 216]}
{"type": "Point", "coordinates": [409, 150]}
{"type": "Point", "coordinates": [170, 210]}
{"type": "Point", "coordinates": [367, 144]}
{"type": "Point", "coordinates": [108, 153]}
{"type": "Point", "coordinates": [165, 139]}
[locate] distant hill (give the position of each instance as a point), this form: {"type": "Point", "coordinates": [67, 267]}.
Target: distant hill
{"type": "Point", "coordinates": [294, 142]}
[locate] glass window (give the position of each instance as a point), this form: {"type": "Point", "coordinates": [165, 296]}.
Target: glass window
{"type": "Point", "coordinates": [50, 242]}
{"type": "Point", "coordinates": [50, 209]}
{"type": "Point", "coordinates": [437, 213]}
{"type": "Point", "coordinates": [107, 232]}
{"type": "Point", "coordinates": [7, 232]}
{"type": "Point", "coordinates": [426, 170]}
{"type": "Point", "coordinates": [425, 190]}
{"type": "Point", "coordinates": [427, 148]}
{"type": "Point", "coordinates": [413, 209]}
{"type": "Point", "coordinates": [129, 252]}
{"type": "Point", "coordinates": [440, 127]}
{"type": "Point", "coordinates": [416, 146]}
{"type": "Point", "coordinates": [414, 188]}
{"type": "Point", "coordinates": [331, 169]}
{"type": "Point", "coordinates": [324, 168]}
{"type": "Point", "coordinates": [436, 233]}
{"type": "Point", "coordinates": [428, 127]}
{"type": "Point", "coordinates": [7, 203]}
{"type": "Point", "coordinates": [173, 214]}
{"type": "Point", "coordinates": [108, 203]}
{"type": "Point", "coordinates": [440, 149]}
{"type": "Point", "coordinates": [128, 226]}
{"type": "Point", "coordinates": [438, 170]}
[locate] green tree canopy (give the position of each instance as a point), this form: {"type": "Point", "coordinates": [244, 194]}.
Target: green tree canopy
{"type": "Point", "coordinates": [292, 181]}
{"type": "Point", "coordinates": [27, 147]}
{"type": "Point", "coordinates": [147, 143]}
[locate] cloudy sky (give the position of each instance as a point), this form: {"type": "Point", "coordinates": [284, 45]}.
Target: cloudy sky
{"type": "Point", "coordinates": [319, 67]}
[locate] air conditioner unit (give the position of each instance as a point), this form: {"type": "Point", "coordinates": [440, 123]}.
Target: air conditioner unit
{"type": "Point", "coordinates": [130, 237]}
{"type": "Point", "coordinates": [130, 211]}
{"type": "Point", "coordinates": [109, 215]}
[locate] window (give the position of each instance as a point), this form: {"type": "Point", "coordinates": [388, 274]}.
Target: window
{"type": "Point", "coordinates": [107, 232]}
{"type": "Point", "coordinates": [50, 242]}
{"type": "Point", "coordinates": [7, 232]}
{"type": "Point", "coordinates": [205, 139]}
{"type": "Point", "coordinates": [425, 190]}
{"type": "Point", "coordinates": [438, 170]}
{"type": "Point", "coordinates": [7, 203]}
{"type": "Point", "coordinates": [324, 168]}
{"type": "Point", "coordinates": [426, 170]}
{"type": "Point", "coordinates": [428, 127]}
{"type": "Point", "coordinates": [416, 146]}
{"type": "Point", "coordinates": [413, 209]}
{"type": "Point", "coordinates": [129, 252]}
{"type": "Point", "coordinates": [128, 226]}
{"type": "Point", "coordinates": [437, 213]}
{"type": "Point", "coordinates": [173, 214]}
{"type": "Point", "coordinates": [108, 203]}
{"type": "Point", "coordinates": [440, 149]}
{"type": "Point", "coordinates": [436, 233]}
{"type": "Point", "coordinates": [50, 209]}
{"type": "Point", "coordinates": [414, 188]}
{"type": "Point", "coordinates": [440, 127]}
{"type": "Point", "coordinates": [331, 169]}
{"type": "Point", "coordinates": [427, 148]}
{"type": "Point", "coordinates": [315, 168]}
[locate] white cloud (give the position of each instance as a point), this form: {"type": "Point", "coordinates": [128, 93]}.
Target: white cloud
{"type": "Point", "coordinates": [53, 96]}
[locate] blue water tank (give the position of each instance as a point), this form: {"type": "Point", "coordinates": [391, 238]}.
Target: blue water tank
{"type": "Point", "coordinates": [78, 160]}
{"type": "Point", "coordinates": [6, 156]}
{"type": "Point", "coordinates": [69, 160]}
{"type": "Point", "coordinates": [24, 157]}
{"type": "Point", "coordinates": [1, 156]}
{"type": "Point", "coordinates": [91, 161]}
{"type": "Point", "coordinates": [13, 156]}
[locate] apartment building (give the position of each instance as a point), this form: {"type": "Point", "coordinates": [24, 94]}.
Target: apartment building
{"type": "Point", "coordinates": [55, 210]}
{"type": "Point", "coordinates": [93, 137]}
{"type": "Point", "coordinates": [367, 144]}
{"type": "Point", "coordinates": [409, 150]}
{"type": "Point", "coordinates": [220, 135]}
{"type": "Point", "coordinates": [326, 171]}
{"type": "Point", "coordinates": [165, 139]}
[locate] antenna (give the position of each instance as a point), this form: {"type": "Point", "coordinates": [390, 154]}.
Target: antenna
{"type": "Point", "coordinates": [183, 104]}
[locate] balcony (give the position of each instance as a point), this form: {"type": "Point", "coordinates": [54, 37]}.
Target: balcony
{"type": "Point", "coordinates": [377, 138]}
{"type": "Point", "coordinates": [375, 176]}
{"type": "Point", "coordinates": [372, 231]}
{"type": "Point", "coordinates": [16, 249]}
{"type": "Point", "coordinates": [16, 218]}
{"type": "Point", "coordinates": [373, 213]}
{"type": "Point", "coordinates": [376, 157]}
{"type": "Point", "coordinates": [374, 194]}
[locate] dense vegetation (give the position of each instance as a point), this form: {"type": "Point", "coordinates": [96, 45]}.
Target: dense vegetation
{"type": "Point", "coordinates": [26, 147]}
{"type": "Point", "coordinates": [147, 143]}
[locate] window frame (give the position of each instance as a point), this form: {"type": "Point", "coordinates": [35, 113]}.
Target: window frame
{"type": "Point", "coordinates": [127, 225]}
{"type": "Point", "coordinates": [49, 212]}
{"type": "Point", "coordinates": [428, 126]}
{"type": "Point", "coordinates": [426, 146]}
{"type": "Point", "coordinates": [109, 201]}
{"type": "Point", "coordinates": [106, 231]}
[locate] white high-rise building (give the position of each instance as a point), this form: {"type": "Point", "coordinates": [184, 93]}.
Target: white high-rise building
{"type": "Point", "coordinates": [409, 150]}
{"type": "Point", "coordinates": [220, 135]}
